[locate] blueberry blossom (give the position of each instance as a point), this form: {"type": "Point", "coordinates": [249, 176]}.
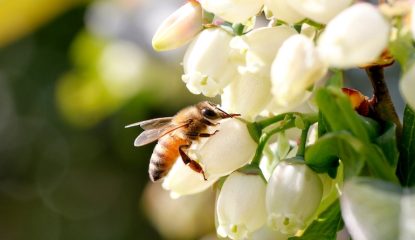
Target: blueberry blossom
{"type": "Point", "coordinates": [357, 36]}
{"type": "Point", "coordinates": [240, 207]}
{"type": "Point", "coordinates": [207, 63]}
{"type": "Point", "coordinates": [293, 195]}
{"type": "Point", "coordinates": [250, 93]}
{"type": "Point", "coordinates": [319, 10]}
{"type": "Point", "coordinates": [237, 11]}
{"type": "Point", "coordinates": [282, 10]}
{"type": "Point", "coordinates": [229, 149]}
{"type": "Point", "coordinates": [296, 68]}
{"type": "Point", "coordinates": [181, 180]}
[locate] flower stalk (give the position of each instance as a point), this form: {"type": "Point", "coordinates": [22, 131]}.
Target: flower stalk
{"type": "Point", "coordinates": [266, 136]}
{"type": "Point", "coordinates": [303, 140]}
{"type": "Point", "coordinates": [286, 121]}
{"type": "Point", "coordinates": [383, 107]}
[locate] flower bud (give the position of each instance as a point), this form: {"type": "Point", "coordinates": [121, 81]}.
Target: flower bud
{"type": "Point", "coordinates": [407, 86]}
{"type": "Point", "coordinates": [207, 65]}
{"type": "Point", "coordinates": [179, 28]}
{"type": "Point", "coordinates": [295, 69]}
{"type": "Point", "coordinates": [282, 10]}
{"type": "Point", "coordinates": [236, 11]}
{"type": "Point", "coordinates": [182, 180]}
{"type": "Point", "coordinates": [319, 10]}
{"type": "Point", "coordinates": [293, 195]}
{"type": "Point", "coordinates": [240, 207]}
{"type": "Point", "coordinates": [356, 36]}
{"type": "Point", "coordinates": [229, 149]}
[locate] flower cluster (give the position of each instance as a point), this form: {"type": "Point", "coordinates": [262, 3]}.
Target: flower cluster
{"type": "Point", "coordinates": [270, 69]}
{"type": "Point", "coordinates": [269, 60]}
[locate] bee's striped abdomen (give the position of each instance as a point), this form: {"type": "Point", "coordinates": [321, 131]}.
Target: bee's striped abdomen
{"type": "Point", "coordinates": [164, 155]}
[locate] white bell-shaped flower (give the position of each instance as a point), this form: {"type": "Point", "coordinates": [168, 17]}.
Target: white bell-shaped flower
{"type": "Point", "coordinates": [229, 149]}
{"type": "Point", "coordinates": [407, 86]}
{"type": "Point", "coordinates": [274, 109]}
{"type": "Point", "coordinates": [236, 11]}
{"type": "Point", "coordinates": [357, 36]}
{"type": "Point", "coordinates": [319, 10]}
{"type": "Point", "coordinates": [248, 95]}
{"type": "Point", "coordinates": [256, 50]}
{"type": "Point", "coordinates": [266, 233]}
{"type": "Point", "coordinates": [240, 207]}
{"type": "Point", "coordinates": [179, 28]}
{"type": "Point", "coordinates": [282, 10]}
{"type": "Point", "coordinates": [293, 195]}
{"type": "Point", "coordinates": [182, 180]}
{"type": "Point", "coordinates": [207, 64]}
{"type": "Point", "coordinates": [295, 69]}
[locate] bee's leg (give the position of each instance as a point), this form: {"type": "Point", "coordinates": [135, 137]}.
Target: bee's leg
{"type": "Point", "coordinates": [194, 135]}
{"type": "Point", "coordinates": [209, 123]}
{"type": "Point", "coordinates": [208, 134]}
{"type": "Point", "coordinates": [195, 166]}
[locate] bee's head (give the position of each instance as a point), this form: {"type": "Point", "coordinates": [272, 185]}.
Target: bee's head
{"type": "Point", "coordinates": [211, 111]}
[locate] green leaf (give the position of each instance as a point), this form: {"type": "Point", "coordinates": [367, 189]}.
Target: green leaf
{"type": "Point", "coordinates": [372, 127]}
{"type": "Point", "coordinates": [325, 227]}
{"type": "Point", "coordinates": [323, 156]}
{"type": "Point", "coordinates": [339, 113]}
{"type": "Point", "coordinates": [388, 145]}
{"type": "Point", "coordinates": [406, 165]}
{"type": "Point", "coordinates": [322, 125]}
{"type": "Point", "coordinates": [374, 209]}
{"type": "Point", "coordinates": [336, 78]}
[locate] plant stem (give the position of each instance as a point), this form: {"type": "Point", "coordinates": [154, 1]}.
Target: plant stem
{"type": "Point", "coordinates": [266, 136]}
{"type": "Point", "coordinates": [383, 105]}
{"type": "Point", "coordinates": [316, 25]}
{"type": "Point", "coordinates": [252, 169]}
{"type": "Point", "coordinates": [303, 141]}
{"type": "Point", "coordinates": [286, 120]}
{"type": "Point", "coordinates": [269, 121]}
{"type": "Point", "coordinates": [310, 118]}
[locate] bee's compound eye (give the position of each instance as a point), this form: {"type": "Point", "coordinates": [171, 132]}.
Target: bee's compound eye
{"type": "Point", "coordinates": [208, 113]}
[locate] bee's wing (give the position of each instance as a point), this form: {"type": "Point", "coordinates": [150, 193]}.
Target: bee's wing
{"type": "Point", "coordinates": [152, 135]}
{"type": "Point", "coordinates": [152, 123]}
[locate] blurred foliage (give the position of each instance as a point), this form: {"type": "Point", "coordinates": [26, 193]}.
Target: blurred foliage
{"type": "Point", "coordinates": [68, 169]}
{"type": "Point", "coordinates": [19, 17]}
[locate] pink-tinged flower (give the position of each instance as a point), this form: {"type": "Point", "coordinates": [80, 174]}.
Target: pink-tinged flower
{"type": "Point", "coordinates": [179, 28]}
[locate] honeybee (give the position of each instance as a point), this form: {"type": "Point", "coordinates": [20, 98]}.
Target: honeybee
{"type": "Point", "coordinates": [176, 134]}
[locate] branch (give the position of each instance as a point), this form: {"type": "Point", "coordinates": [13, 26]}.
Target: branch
{"type": "Point", "coordinates": [382, 102]}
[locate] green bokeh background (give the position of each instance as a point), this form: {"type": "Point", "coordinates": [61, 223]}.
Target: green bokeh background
{"type": "Point", "coordinates": [62, 178]}
{"type": "Point", "coordinates": [68, 168]}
